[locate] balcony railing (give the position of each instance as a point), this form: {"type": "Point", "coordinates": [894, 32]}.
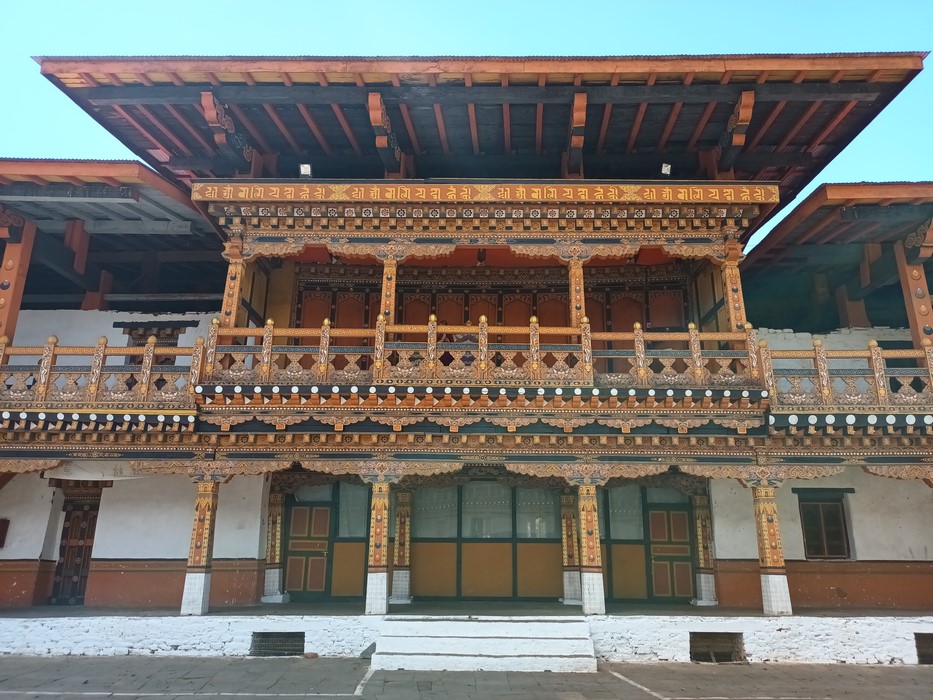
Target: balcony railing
{"type": "Point", "coordinates": [111, 379]}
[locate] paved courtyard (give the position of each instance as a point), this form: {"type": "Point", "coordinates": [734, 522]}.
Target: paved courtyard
{"type": "Point", "coordinates": [149, 677]}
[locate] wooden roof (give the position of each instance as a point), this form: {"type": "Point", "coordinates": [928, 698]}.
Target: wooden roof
{"type": "Point", "coordinates": [758, 117]}
{"type": "Point", "coordinates": [831, 227]}
{"type": "Point", "coordinates": [117, 217]}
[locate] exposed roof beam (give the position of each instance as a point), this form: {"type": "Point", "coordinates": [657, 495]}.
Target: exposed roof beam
{"type": "Point", "coordinates": [232, 143]}
{"type": "Point", "coordinates": [311, 122]}
{"type": "Point", "coordinates": [52, 253]}
{"type": "Point", "coordinates": [162, 256]}
{"type": "Point", "coordinates": [672, 118]}
{"type": "Point", "coordinates": [894, 212]}
{"type": "Point", "coordinates": [808, 113]}
{"type": "Point", "coordinates": [406, 118]}
{"type": "Point", "coordinates": [350, 95]}
{"type": "Point", "coordinates": [101, 227]}
{"type": "Point", "coordinates": [607, 115]}
{"type": "Point", "coordinates": [732, 140]}
{"type": "Point", "coordinates": [775, 111]}
{"type": "Point", "coordinates": [506, 120]}
{"type": "Point", "coordinates": [708, 112]}
{"type": "Point", "coordinates": [386, 141]}
{"type": "Point", "coordinates": [471, 114]}
{"type": "Point", "coordinates": [341, 117]}
{"type": "Point", "coordinates": [539, 115]}
{"type": "Point", "coordinates": [439, 117]}
{"type": "Point", "coordinates": [639, 117]}
{"type": "Point", "coordinates": [58, 192]}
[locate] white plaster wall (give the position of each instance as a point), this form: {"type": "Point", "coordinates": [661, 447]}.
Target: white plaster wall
{"type": "Point", "coordinates": [842, 339]}
{"type": "Point", "coordinates": [146, 518]}
{"type": "Point", "coordinates": [83, 328]}
{"type": "Point", "coordinates": [733, 520]}
{"type": "Point", "coordinates": [888, 520]}
{"type": "Point", "coordinates": [241, 508]}
{"type": "Point", "coordinates": [28, 503]}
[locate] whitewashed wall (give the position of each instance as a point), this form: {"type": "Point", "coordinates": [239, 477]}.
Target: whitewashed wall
{"type": "Point", "coordinates": [241, 511]}
{"type": "Point", "coordinates": [889, 519]}
{"type": "Point", "coordinates": [35, 518]}
{"type": "Point", "coordinates": [146, 518]}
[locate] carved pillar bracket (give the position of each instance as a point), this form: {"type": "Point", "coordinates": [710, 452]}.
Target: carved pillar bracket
{"type": "Point", "coordinates": [732, 286]}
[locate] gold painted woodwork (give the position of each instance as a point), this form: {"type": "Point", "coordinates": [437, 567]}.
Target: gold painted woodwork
{"type": "Point", "coordinates": [590, 553]}
{"type": "Point", "coordinates": [201, 550]}
{"type": "Point", "coordinates": [402, 549]}
{"type": "Point", "coordinates": [379, 527]}
{"type": "Point", "coordinates": [767, 528]}
{"type": "Point", "coordinates": [230, 306]}
{"type": "Point", "coordinates": [703, 531]}
{"type": "Point", "coordinates": [732, 287]}
{"type": "Point", "coordinates": [274, 526]}
{"type": "Point", "coordinates": [569, 536]}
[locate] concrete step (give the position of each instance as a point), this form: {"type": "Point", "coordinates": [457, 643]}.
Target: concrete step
{"type": "Point", "coordinates": [470, 643]}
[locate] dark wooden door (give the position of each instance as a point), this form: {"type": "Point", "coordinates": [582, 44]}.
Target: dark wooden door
{"type": "Point", "coordinates": [309, 550]}
{"type": "Point", "coordinates": [74, 553]}
{"type": "Point", "coordinates": [671, 553]}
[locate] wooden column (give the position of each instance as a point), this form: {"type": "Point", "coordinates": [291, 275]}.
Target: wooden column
{"type": "Point", "coordinates": [775, 593]}
{"type": "Point", "coordinates": [591, 560]}
{"type": "Point", "coordinates": [272, 590]}
{"type": "Point", "coordinates": [233, 293]}
{"type": "Point", "coordinates": [733, 298]}
{"type": "Point", "coordinates": [570, 553]}
{"type": "Point", "coordinates": [377, 577]}
{"type": "Point", "coordinates": [577, 294]}
{"type": "Point", "coordinates": [703, 529]}
{"type": "Point", "coordinates": [916, 295]}
{"type": "Point", "coordinates": [401, 559]}
{"type": "Point", "coordinates": [196, 597]}
{"type": "Point", "coordinates": [16, 259]}
{"type": "Point", "coordinates": [387, 297]}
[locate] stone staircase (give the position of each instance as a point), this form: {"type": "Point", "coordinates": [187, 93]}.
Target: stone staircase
{"type": "Point", "coordinates": [473, 643]}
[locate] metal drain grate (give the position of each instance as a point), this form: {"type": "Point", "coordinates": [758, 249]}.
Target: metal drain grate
{"type": "Point", "coordinates": [924, 643]}
{"type": "Point", "coordinates": [717, 647]}
{"type": "Point", "coordinates": [277, 644]}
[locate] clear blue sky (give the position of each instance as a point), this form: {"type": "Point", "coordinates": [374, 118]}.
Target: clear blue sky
{"type": "Point", "coordinates": [36, 120]}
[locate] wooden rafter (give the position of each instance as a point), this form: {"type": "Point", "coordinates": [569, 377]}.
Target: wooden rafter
{"type": "Point", "coordinates": [406, 119]}
{"type": "Point", "coordinates": [439, 118]}
{"type": "Point", "coordinates": [471, 113]}
{"type": "Point", "coordinates": [639, 117]}
{"type": "Point", "coordinates": [772, 116]}
{"type": "Point", "coordinates": [342, 120]}
{"type": "Point", "coordinates": [230, 142]}
{"type": "Point", "coordinates": [276, 119]}
{"type": "Point", "coordinates": [180, 118]}
{"type": "Point", "coordinates": [156, 122]}
{"type": "Point", "coordinates": [607, 115]}
{"type": "Point", "coordinates": [672, 117]}
{"type": "Point", "coordinates": [539, 117]}
{"type": "Point", "coordinates": [707, 113]}
{"type": "Point", "coordinates": [129, 119]}
{"type": "Point", "coordinates": [805, 117]}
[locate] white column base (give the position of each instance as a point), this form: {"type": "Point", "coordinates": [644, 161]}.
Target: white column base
{"type": "Point", "coordinates": [377, 593]}
{"type": "Point", "coordinates": [573, 591]}
{"type": "Point", "coordinates": [197, 594]}
{"type": "Point", "coordinates": [594, 594]}
{"type": "Point", "coordinates": [706, 589]}
{"type": "Point", "coordinates": [401, 587]}
{"type": "Point", "coordinates": [775, 595]}
{"type": "Point", "coordinates": [272, 586]}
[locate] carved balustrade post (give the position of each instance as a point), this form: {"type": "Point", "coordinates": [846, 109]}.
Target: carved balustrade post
{"type": "Point", "coordinates": [641, 362]}
{"type": "Point", "coordinates": [272, 587]}
{"type": "Point", "coordinates": [775, 593]}
{"type": "Point", "coordinates": [4, 342]}
{"type": "Point", "coordinates": [265, 360]}
{"type": "Point", "coordinates": [236, 270]}
{"type": "Point", "coordinates": [697, 370]}
{"type": "Point", "coordinates": [323, 358]}
{"type": "Point", "coordinates": [534, 349]}
{"type": "Point", "coordinates": [703, 531]}
{"type": "Point", "coordinates": [197, 364]}
{"type": "Point", "coordinates": [44, 380]}
{"type": "Point", "coordinates": [823, 383]}
{"type": "Point", "coordinates": [570, 550]}
{"type": "Point", "coordinates": [210, 350]}
{"type": "Point", "coordinates": [401, 559]}
{"type": "Point", "coordinates": [196, 596]}
{"type": "Point", "coordinates": [927, 346]}
{"type": "Point", "coordinates": [586, 346]}
{"type": "Point", "coordinates": [145, 374]}
{"type": "Point", "coordinates": [430, 371]}
{"type": "Point", "coordinates": [767, 370]}
{"type": "Point", "coordinates": [97, 365]}
{"type": "Point", "coordinates": [591, 558]}
{"type": "Point", "coordinates": [751, 347]}
{"type": "Point", "coordinates": [876, 362]}
{"type": "Point", "coordinates": [379, 345]}
{"type": "Point", "coordinates": [482, 362]}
